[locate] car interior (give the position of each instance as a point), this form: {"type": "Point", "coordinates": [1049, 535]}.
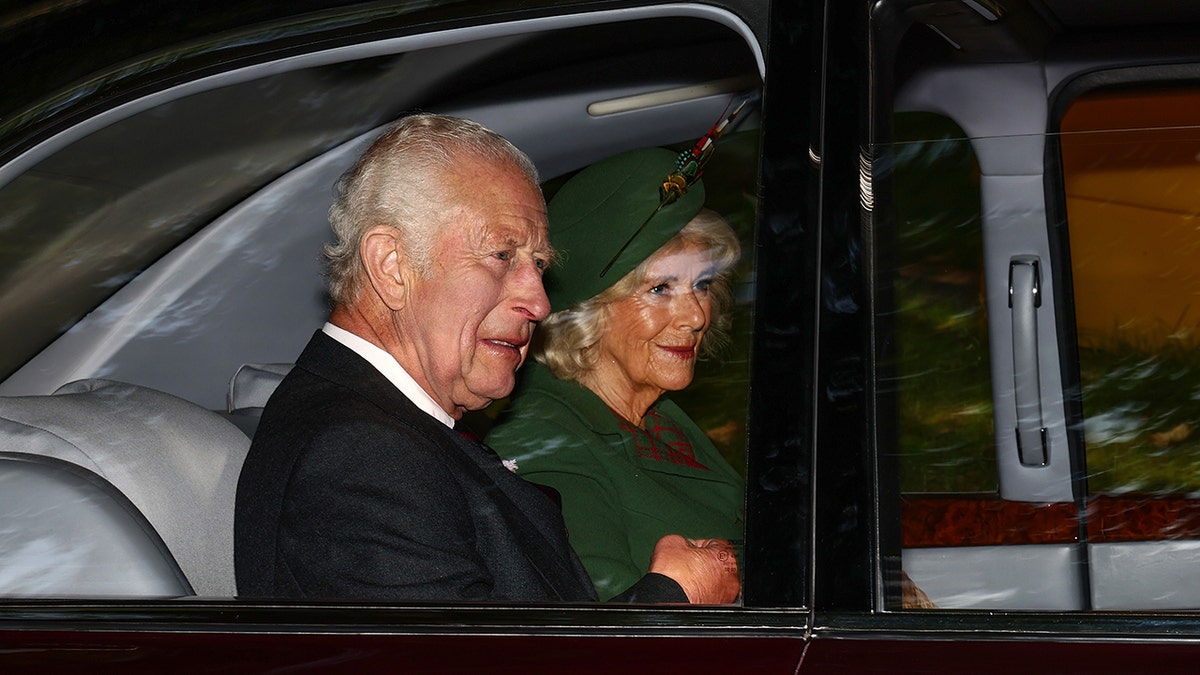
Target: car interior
{"type": "Point", "coordinates": [170, 262]}
{"type": "Point", "coordinates": [1027, 198]}
{"type": "Point", "coordinates": [1031, 164]}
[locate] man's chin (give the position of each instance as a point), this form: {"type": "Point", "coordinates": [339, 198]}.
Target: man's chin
{"type": "Point", "coordinates": [482, 396]}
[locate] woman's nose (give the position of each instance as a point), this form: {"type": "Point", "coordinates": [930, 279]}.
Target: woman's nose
{"type": "Point", "coordinates": [691, 312]}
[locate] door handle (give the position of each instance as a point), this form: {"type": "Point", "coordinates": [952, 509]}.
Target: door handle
{"type": "Point", "coordinates": [1024, 299]}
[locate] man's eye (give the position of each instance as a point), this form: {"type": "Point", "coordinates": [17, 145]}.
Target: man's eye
{"type": "Point", "coordinates": [541, 263]}
{"type": "Point", "coordinates": [504, 255]}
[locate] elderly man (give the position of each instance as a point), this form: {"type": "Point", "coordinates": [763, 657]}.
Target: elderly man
{"type": "Point", "coordinates": [357, 485]}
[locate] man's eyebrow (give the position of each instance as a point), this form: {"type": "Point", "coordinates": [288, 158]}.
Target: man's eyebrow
{"type": "Point", "coordinates": [549, 253]}
{"type": "Point", "coordinates": [493, 240]}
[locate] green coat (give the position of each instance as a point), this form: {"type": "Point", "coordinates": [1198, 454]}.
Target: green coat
{"type": "Point", "coordinates": [616, 504]}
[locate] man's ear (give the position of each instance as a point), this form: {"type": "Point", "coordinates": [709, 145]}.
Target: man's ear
{"type": "Point", "coordinates": [385, 265]}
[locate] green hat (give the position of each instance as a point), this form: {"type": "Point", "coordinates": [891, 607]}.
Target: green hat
{"type": "Point", "coordinates": [601, 209]}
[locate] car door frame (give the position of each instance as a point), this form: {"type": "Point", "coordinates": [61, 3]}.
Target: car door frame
{"type": "Point", "coordinates": [856, 535]}
{"type": "Point", "coordinates": [769, 632]}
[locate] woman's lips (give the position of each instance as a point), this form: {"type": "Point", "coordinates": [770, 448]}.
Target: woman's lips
{"type": "Point", "coordinates": [684, 351]}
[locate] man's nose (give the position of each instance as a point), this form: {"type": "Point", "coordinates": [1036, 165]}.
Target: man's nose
{"type": "Point", "coordinates": [530, 293]}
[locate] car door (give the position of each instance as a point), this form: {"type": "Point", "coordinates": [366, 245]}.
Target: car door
{"type": "Point", "coordinates": [163, 200]}
{"type": "Point", "coordinates": [1029, 482]}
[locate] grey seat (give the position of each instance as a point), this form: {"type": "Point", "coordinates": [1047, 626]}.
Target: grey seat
{"type": "Point", "coordinates": [249, 390]}
{"type": "Point", "coordinates": [176, 462]}
{"type": "Point", "coordinates": [66, 532]}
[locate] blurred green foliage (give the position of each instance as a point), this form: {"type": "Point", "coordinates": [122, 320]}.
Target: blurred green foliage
{"type": "Point", "coordinates": [1141, 404]}
{"type": "Point", "coordinates": [719, 398]}
{"type": "Point", "coordinates": [1141, 398]}
{"type": "Point", "coordinates": [939, 365]}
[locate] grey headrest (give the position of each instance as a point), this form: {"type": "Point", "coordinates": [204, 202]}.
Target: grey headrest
{"type": "Point", "coordinates": [177, 462]}
{"type": "Point", "coordinates": [254, 383]}
{"type": "Point", "coordinates": [65, 532]}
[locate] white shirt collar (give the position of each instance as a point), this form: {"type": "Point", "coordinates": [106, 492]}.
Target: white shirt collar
{"type": "Point", "coordinates": [386, 364]}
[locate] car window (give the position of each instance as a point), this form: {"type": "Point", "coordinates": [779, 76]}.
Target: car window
{"type": "Point", "coordinates": [1129, 165]}
{"type": "Point", "coordinates": [168, 261]}
{"type": "Point", "coordinates": [1001, 230]}
{"type": "Point", "coordinates": [88, 218]}
{"type": "Point", "coordinates": [91, 216]}
{"type": "Point", "coordinates": [1129, 159]}
{"type": "Point", "coordinates": [963, 539]}
{"type": "Point", "coordinates": [1034, 293]}
{"type": "Point", "coordinates": [973, 457]}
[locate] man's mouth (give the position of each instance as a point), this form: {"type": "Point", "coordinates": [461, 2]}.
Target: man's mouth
{"type": "Point", "coordinates": [508, 344]}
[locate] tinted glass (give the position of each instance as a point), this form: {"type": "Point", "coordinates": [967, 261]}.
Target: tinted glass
{"type": "Point", "coordinates": [941, 367]}
{"type": "Point", "coordinates": [81, 223]}
{"type": "Point", "coordinates": [974, 464]}
{"type": "Point", "coordinates": [212, 196]}
{"type": "Point", "coordinates": [965, 283]}
{"type": "Point", "coordinates": [1130, 164]}
{"type": "Point", "coordinates": [1130, 168]}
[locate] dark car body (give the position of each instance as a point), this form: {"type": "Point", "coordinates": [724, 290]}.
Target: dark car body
{"type": "Point", "coordinates": [917, 387]}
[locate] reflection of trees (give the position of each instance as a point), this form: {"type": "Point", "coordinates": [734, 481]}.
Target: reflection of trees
{"type": "Point", "coordinates": [1129, 170]}
{"type": "Point", "coordinates": [943, 387]}
{"type": "Point", "coordinates": [719, 397]}
{"type": "Point", "coordinates": [940, 363]}
{"type": "Point", "coordinates": [1141, 404]}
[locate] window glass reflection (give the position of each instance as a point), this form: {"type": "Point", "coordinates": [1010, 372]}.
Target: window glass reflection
{"type": "Point", "coordinates": [1131, 161]}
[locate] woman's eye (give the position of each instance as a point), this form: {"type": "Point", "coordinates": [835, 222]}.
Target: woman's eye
{"type": "Point", "coordinates": [660, 289]}
{"type": "Point", "coordinates": [703, 285]}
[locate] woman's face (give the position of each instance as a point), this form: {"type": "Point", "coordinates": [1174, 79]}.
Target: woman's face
{"type": "Point", "coordinates": [651, 337]}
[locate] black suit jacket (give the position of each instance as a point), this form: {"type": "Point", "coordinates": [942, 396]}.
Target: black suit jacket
{"type": "Point", "coordinates": [351, 491]}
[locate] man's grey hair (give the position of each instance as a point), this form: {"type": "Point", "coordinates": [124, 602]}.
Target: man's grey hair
{"type": "Point", "coordinates": [400, 181]}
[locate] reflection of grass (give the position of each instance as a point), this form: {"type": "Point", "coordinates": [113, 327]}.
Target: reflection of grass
{"type": "Point", "coordinates": [945, 415]}
{"type": "Point", "coordinates": [1141, 403]}
{"type": "Point", "coordinates": [1141, 397]}
{"type": "Point", "coordinates": [941, 366]}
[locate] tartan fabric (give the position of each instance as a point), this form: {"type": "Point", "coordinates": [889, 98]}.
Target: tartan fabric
{"type": "Point", "coordinates": [662, 441]}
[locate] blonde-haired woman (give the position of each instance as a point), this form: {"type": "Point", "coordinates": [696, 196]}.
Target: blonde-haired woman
{"type": "Point", "coordinates": [641, 293]}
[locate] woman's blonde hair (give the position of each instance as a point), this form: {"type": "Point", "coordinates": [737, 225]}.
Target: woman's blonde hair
{"type": "Point", "coordinates": [567, 338]}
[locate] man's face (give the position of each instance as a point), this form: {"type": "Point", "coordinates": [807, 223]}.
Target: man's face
{"type": "Point", "coordinates": [467, 323]}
